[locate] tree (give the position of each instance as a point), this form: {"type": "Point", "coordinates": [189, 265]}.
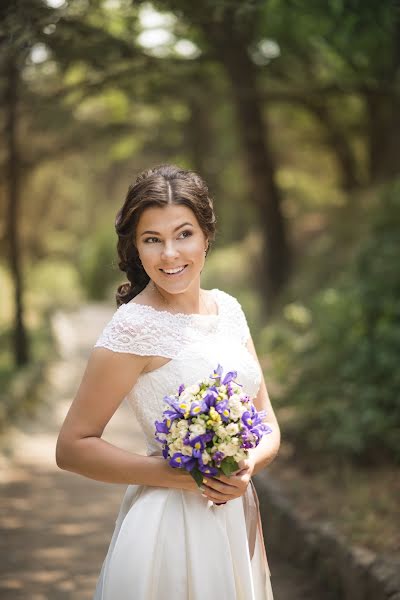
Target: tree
{"type": "Point", "coordinates": [226, 31]}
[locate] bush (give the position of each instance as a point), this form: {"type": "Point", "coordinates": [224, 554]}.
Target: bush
{"type": "Point", "coordinates": [98, 265]}
{"type": "Point", "coordinates": [345, 381]}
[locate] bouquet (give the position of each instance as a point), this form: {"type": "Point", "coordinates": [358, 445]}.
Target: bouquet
{"type": "Point", "coordinates": [209, 427]}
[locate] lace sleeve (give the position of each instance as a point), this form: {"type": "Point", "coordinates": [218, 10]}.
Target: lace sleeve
{"type": "Point", "coordinates": [134, 331]}
{"type": "Point", "coordinates": [235, 319]}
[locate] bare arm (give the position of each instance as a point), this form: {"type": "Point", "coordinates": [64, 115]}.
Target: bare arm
{"type": "Point", "coordinates": [108, 378]}
{"type": "Point", "coordinates": [269, 445]}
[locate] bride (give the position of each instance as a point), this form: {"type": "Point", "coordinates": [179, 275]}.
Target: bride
{"type": "Point", "coordinates": [172, 539]}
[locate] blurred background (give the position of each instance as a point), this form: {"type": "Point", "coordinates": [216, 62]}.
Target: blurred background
{"type": "Point", "coordinates": [290, 111]}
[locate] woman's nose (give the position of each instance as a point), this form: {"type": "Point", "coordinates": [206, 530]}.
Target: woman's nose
{"type": "Point", "coordinates": [169, 251]}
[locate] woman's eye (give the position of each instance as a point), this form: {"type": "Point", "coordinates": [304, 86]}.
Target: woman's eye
{"type": "Point", "coordinates": [153, 240]}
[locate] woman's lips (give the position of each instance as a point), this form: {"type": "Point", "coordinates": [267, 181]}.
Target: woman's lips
{"type": "Point", "coordinates": [173, 271]}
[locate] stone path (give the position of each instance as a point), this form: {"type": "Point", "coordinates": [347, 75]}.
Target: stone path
{"type": "Point", "coordinates": [55, 526]}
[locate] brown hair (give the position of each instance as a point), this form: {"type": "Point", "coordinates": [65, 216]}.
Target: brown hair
{"type": "Point", "coordinates": [159, 186]}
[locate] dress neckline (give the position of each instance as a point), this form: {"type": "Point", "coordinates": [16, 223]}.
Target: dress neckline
{"type": "Point", "coordinates": [188, 316]}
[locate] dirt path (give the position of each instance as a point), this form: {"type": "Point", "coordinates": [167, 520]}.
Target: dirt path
{"type": "Point", "coordinates": [55, 526]}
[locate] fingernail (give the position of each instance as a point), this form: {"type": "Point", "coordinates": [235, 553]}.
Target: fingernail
{"type": "Point", "coordinates": [204, 480]}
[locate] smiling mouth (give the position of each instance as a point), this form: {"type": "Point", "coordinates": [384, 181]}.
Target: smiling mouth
{"type": "Point", "coordinates": [172, 272]}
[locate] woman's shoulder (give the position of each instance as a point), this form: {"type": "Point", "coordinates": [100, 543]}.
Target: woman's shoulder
{"type": "Point", "coordinates": [140, 329]}
{"type": "Point", "coordinates": [226, 299]}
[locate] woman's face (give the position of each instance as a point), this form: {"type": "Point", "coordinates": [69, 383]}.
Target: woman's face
{"type": "Point", "coordinates": [171, 239]}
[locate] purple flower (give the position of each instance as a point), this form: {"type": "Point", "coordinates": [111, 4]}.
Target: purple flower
{"type": "Point", "coordinates": [217, 374]}
{"type": "Point", "coordinates": [247, 419]}
{"type": "Point", "coordinates": [198, 407]}
{"type": "Point", "coordinates": [207, 469]}
{"type": "Point", "coordinates": [229, 377]}
{"type": "Point", "coordinates": [247, 439]}
{"type": "Point", "coordinates": [199, 442]}
{"type": "Point", "coordinates": [181, 461]}
{"type": "Point", "coordinates": [229, 388]}
{"type": "Point", "coordinates": [218, 457]}
{"type": "Point", "coordinates": [211, 397]}
{"type": "Point", "coordinates": [162, 426]}
{"type": "Point", "coordinates": [222, 408]}
{"type": "Point", "coordinates": [172, 414]}
{"type": "Point", "coordinates": [187, 412]}
{"type": "Point", "coordinates": [174, 404]}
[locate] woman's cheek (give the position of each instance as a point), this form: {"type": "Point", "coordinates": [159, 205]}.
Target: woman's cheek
{"type": "Point", "coordinates": [195, 248]}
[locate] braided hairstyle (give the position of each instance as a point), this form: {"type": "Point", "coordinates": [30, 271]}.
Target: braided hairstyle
{"type": "Point", "coordinates": [157, 187]}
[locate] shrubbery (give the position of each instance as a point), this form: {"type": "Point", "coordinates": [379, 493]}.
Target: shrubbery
{"type": "Point", "coordinates": [98, 266]}
{"type": "Point", "coordinates": [341, 359]}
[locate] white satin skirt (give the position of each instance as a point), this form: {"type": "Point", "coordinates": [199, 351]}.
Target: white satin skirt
{"type": "Point", "coordinates": [171, 543]}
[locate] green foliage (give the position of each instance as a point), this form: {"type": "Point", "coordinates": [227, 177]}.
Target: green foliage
{"type": "Point", "coordinates": [54, 284]}
{"type": "Point", "coordinates": [340, 355]}
{"type": "Point", "coordinates": [227, 268]}
{"type": "Point", "coordinates": [22, 389]}
{"type": "Point", "coordinates": [98, 264]}
{"type": "Point", "coordinates": [229, 466]}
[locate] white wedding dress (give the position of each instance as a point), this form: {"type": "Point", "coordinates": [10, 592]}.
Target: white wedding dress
{"type": "Point", "coordinates": [172, 544]}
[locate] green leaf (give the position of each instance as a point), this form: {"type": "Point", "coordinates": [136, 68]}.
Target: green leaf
{"type": "Point", "coordinates": [229, 466]}
{"type": "Point", "coordinates": [197, 476]}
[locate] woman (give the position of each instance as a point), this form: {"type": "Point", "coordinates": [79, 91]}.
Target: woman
{"type": "Point", "coordinates": [171, 539]}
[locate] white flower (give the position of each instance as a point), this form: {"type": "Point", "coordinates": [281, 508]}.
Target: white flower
{"type": "Point", "coordinates": [240, 454]}
{"type": "Point", "coordinates": [186, 397]}
{"type": "Point", "coordinates": [196, 429]}
{"type": "Point", "coordinates": [232, 428]}
{"type": "Point", "coordinates": [234, 400]}
{"type": "Point", "coordinates": [181, 429]}
{"type": "Point", "coordinates": [187, 450]}
{"type": "Point", "coordinates": [236, 413]}
{"type": "Point", "coordinates": [193, 389]}
{"type": "Point", "coordinates": [206, 457]}
{"type": "Point", "coordinates": [228, 449]}
{"type": "Point", "coordinates": [221, 432]}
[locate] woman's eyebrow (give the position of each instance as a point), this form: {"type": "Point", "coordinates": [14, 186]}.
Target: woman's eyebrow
{"type": "Point", "coordinates": [176, 229]}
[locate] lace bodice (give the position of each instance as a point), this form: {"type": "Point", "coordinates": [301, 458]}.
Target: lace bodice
{"type": "Point", "coordinates": [195, 344]}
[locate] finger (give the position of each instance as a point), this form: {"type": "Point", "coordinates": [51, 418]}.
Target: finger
{"type": "Point", "coordinates": [245, 467]}
{"type": "Point", "coordinates": [211, 485]}
{"type": "Point", "coordinates": [216, 496]}
{"type": "Point", "coordinates": [225, 479]}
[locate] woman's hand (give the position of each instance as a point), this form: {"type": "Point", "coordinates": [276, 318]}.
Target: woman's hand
{"type": "Point", "coordinates": [221, 489]}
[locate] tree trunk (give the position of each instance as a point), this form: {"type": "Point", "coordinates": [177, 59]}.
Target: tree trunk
{"type": "Point", "coordinates": [21, 351]}
{"type": "Point", "coordinates": [383, 135]}
{"type": "Point", "coordinates": [199, 136]}
{"type": "Point", "coordinates": [339, 144]}
{"type": "Point", "coordinates": [263, 190]}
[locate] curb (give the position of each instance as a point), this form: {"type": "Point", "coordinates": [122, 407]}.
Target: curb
{"type": "Point", "coordinates": [342, 571]}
